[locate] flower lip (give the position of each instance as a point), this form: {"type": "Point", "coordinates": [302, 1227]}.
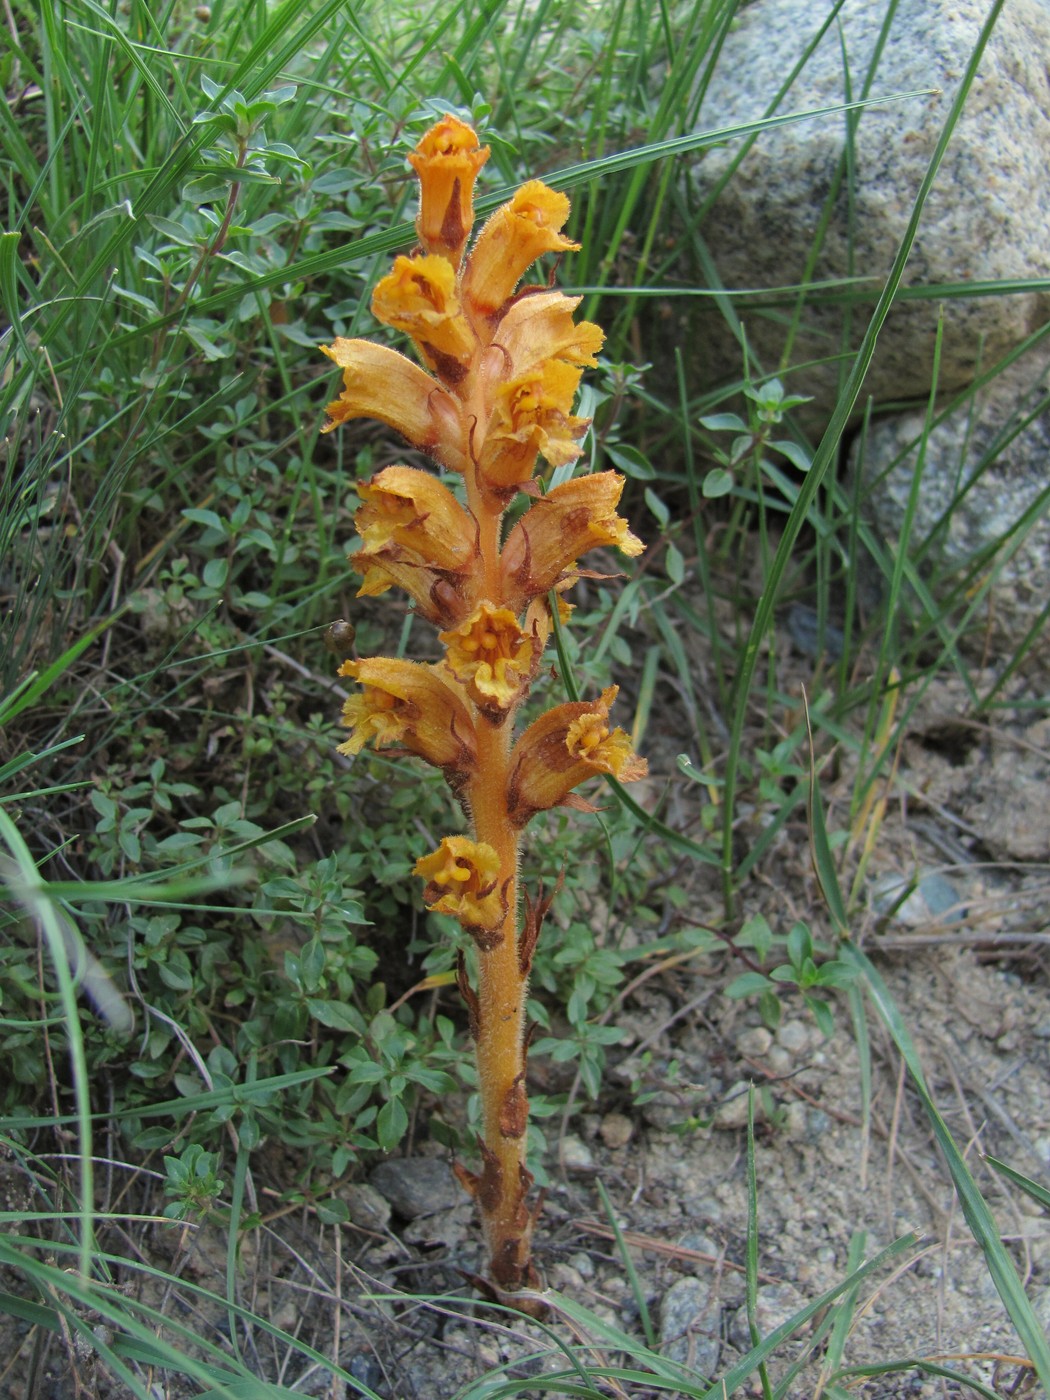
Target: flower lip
{"type": "Point", "coordinates": [463, 880]}
{"type": "Point", "coordinates": [531, 417]}
{"type": "Point", "coordinates": [492, 657]}
{"type": "Point", "coordinates": [419, 297]}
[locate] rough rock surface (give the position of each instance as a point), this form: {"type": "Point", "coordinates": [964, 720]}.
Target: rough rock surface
{"type": "Point", "coordinates": [989, 456]}
{"type": "Point", "coordinates": [987, 217]}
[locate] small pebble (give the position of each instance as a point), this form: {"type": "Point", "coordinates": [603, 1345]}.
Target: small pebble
{"type": "Point", "coordinates": [616, 1130]}
{"type": "Point", "coordinates": [774, 1305]}
{"type": "Point", "coordinates": [574, 1154]}
{"type": "Point", "coordinates": [793, 1036]}
{"type": "Point", "coordinates": [756, 1041]}
{"type": "Point", "coordinates": [690, 1323]}
{"type": "Point", "coordinates": [368, 1209]}
{"type": "Point", "coordinates": [732, 1111]}
{"type": "Point", "coordinates": [416, 1185]}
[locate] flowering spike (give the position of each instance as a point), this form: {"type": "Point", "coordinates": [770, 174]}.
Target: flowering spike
{"type": "Point", "coordinates": [501, 366]}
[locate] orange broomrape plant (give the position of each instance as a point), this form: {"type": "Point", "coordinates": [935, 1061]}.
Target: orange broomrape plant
{"type": "Point", "coordinates": [500, 367]}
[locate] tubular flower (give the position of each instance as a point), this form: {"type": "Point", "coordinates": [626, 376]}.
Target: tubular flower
{"type": "Point", "coordinates": [406, 703]}
{"type": "Point", "coordinates": [463, 880]}
{"type": "Point", "coordinates": [413, 510]}
{"type": "Point", "coordinates": [419, 297]}
{"type": "Point", "coordinates": [531, 417]}
{"type": "Point", "coordinates": [417, 535]}
{"type": "Point", "coordinates": [380, 383]}
{"type": "Point", "coordinates": [440, 596]}
{"type": "Point", "coordinates": [563, 748]}
{"type": "Point", "coordinates": [492, 658]}
{"type": "Point", "coordinates": [447, 161]}
{"type": "Point", "coordinates": [571, 519]}
{"type": "Point", "coordinates": [539, 327]}
{"type": "Point", "coordinates": [516, 235]}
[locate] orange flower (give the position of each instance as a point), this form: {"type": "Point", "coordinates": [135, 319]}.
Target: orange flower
{"type": "Point", "coordinates": [562, 749]}
{"type": "Point", "coordinates": [406, 703]}
{"type": "Point", "coordinates": [419, 297]}
{"type": "Point", "coordinates": [516, 235]}
{"type": "Point", "coordinates": [492, 658]}
{"type": "Point", "coordinates": [380, 383]}
{"type": "Point", "coordinates": [447, 161]}
{"type": "Point", "coordinates": [415, 511]}
{"type": "Point", "coordinates": [418, 536]}
{"type": "Point", "coordinates": [462, 880]}
{"type": "Point", "coordinates": [540, 327]}
{"type": "Point", "coordinates": [530, 416]}
{"type": "Point", "coordinates": [568, 521]}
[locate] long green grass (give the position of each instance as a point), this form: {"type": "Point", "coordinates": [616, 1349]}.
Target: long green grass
{"type": "Point", "coordinates": [193, 199]}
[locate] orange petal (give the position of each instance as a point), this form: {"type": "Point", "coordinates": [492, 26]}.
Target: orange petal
{"type": "Point", "coordinates": [540, 327]}
{"type": "Point", "coordinates": [557, 528]}
{"type": "Point", "coordinates": [447, 160]}
{"type": "Point", "coordinates": [463, 880]}
{"type": "Point", "coordinates": [563, 748]}
{"type": "Point", "coordinates": [380, 383]}
{"type": "Point", "coordinates": [415, 511]}
{"type": "Point", "coordinates": [419, 297]}
{"type": "Point", "coordinates": [516, 235]}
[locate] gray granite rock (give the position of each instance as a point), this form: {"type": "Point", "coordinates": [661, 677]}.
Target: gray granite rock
{"type": "Point", "coordinates": [690, 1326]}
{"type": "Point", "coordinates": [990, 456]}
{"type": "Point", "coordinates": [988, 216]}
{"type": "Point", "coordinates": [416, 1185]}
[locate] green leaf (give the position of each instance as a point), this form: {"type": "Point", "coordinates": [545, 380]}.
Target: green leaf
{"type": "Point", "coordinates": [717, 482]}
{"type": "Point", "coordinates": [631, 462]}
{"type": "Point", "coordinates": [723, 423]}
{"type": "Point", "coordinates": [391, 1124]}
{"type": "Point", "coordinates": [337, 1015]}
{"type": "Point", "coordinates": [674, 564]}
{"type": "Point", "coordinates": [747, 984]}
{"type": "Point", "coordinates": [216, 572]}
{"type": "Point", "coordinates": [1032, 1188]}
{"type": "Point", "coordinates": [796, 454]}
